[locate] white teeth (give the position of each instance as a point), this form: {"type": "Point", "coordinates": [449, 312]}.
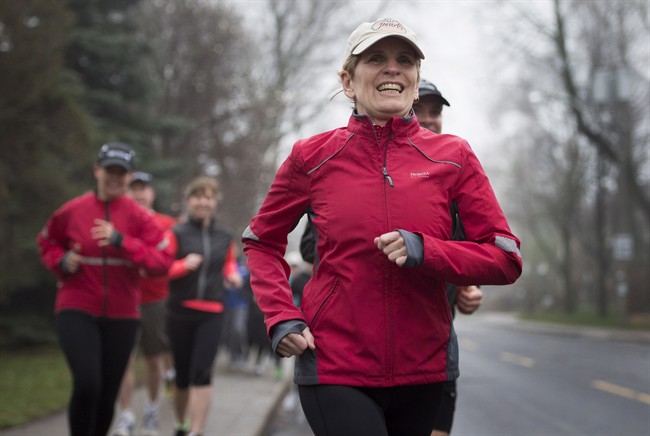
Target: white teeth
{"type": "Point", "coordinates": [389, 87]}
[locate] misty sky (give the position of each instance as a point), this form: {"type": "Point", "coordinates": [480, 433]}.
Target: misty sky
{"type": "Point", "coordinates": [455, 38]}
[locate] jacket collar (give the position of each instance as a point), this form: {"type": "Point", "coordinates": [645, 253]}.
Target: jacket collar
{"type": "Point", "coordinates": [199, 224]}
{"type": "Point", "coordinates": [398, 126]}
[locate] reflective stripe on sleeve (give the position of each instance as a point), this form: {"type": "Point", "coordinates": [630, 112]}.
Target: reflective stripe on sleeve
{"type": "Point", "coordinates": [111, 261]}
{"type": "Point", "coordinates": [507, 244]}
{"type": "Point", "coordinates": [248, 234]}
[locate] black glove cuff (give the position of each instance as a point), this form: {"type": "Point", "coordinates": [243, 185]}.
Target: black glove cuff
{"type": "Point", "coordinates": [116, 239]}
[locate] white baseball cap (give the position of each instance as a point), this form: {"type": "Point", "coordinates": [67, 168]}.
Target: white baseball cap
{"type": "Point", "coordinates": [366, 34]}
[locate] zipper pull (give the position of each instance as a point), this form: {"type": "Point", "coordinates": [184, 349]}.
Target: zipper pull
{"type": "Point", "coordinates": [387, 177]}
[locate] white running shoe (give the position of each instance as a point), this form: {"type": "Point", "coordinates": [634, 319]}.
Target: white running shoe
{"type": "Point", "coordinates": [125, 425]}
{"type": "Point", "coordinates": [151, 423]}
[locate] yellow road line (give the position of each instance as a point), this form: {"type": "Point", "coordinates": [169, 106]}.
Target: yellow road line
{"type": "Point", "coordinates": [621, 391]}
{"type": "Point", "coordinates": [524, 361]}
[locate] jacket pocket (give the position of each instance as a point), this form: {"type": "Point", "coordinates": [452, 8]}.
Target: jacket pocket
{"type": "Point", "coordinates": [324, 305]}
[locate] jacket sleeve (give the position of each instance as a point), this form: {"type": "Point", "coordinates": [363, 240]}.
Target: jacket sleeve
{"type": "Point", "coordinates": [51, 244]}
{"type": "Point", "coordinates": [178, 268]}
{"type": "Point", "coordinates": [490, 255]}
{"type": "Point", "coordinates": [151, 250]}
{"type": "Point", "coordinates": [265, 241]}
{"type": "Point", "coordinates": [230, 266]}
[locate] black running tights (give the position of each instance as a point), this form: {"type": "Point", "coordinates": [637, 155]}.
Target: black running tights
{"type": "Point", "coordinates": [97, 351]}
{"type": "Point", "coordinates": [334, 410]}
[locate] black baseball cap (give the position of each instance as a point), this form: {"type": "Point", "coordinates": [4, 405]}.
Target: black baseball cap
{"type": "Point", "coordinates": [116, 153]}
{"type": "Point", "coordinates": [428, 88]}
{"type": "Point", "coordinates": [141, 177]}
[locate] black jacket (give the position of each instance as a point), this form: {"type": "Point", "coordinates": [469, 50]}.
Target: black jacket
{"type": "Point", "coordinates": [206, 283]}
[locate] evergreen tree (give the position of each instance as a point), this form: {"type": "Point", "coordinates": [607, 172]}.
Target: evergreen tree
{"type": "Point", "coordinates": [109, 55]}
{"type": "Point", "coordinates": [43, 133]}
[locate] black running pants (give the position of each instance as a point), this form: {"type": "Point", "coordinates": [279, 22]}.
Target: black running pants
{"type": "Point", "coordinates": [334, 410]}
{"type": "Point", "coordinates": [97, 351]}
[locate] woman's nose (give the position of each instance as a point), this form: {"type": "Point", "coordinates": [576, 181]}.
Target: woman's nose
{"type": "Point", "coordinates": [392, 65]}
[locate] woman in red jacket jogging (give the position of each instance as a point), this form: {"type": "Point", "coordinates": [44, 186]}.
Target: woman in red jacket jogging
{"type": "Point", "coordinates": [98, 244]}
{"type": "Point", "coordinates": [374, 334]}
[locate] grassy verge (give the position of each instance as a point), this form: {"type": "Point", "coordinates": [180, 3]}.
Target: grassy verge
{"type": "Point", "coordinates": [36, 383]}
{"type": "Point", "coordinates": [590, 319]}
{"type": "Point", "coordinates": [33, 384]}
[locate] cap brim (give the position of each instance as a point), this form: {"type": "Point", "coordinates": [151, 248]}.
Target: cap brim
{"type": "Point", "coordinates": [115, 162]}
{"type": "Point", "coordinates": [428, 92]}
{"type": "Point", "coordinates": [366, 43]}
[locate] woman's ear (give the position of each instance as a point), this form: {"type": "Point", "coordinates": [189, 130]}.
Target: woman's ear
{"type": "Point", "coordinates": [346, 83]}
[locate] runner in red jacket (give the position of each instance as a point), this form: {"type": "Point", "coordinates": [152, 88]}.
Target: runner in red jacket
{"type": "Point", "coordinates": [374, 334]}
{"type": "Point", "coordinates": [152, 342]}
{"type": "Point", "coordinates": [97, 244]}
{"type": "Point", "coordinates": [106, 283]}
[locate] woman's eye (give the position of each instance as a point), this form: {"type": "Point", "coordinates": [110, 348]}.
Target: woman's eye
{"type": "Point", "coordinates": [375, 58]}
{"type": "Point", "coordinates": [406, 60]}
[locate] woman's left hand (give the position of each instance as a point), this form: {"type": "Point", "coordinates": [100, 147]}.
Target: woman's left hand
{"type": "Point", "coordinates": [393, 246]}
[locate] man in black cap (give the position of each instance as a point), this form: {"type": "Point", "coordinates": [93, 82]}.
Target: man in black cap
{"type": "Point", "coordinates": [466, 298]}
{"type": "Point", "coordinates": [429, 107]}
{"type": "Point", "coordinates": [153, 341]}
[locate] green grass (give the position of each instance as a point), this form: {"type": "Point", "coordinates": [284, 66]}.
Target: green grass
{"type": "Point", "coordinates": [36, 383]}
{"type": "Point", "coordinates": [32, 384]}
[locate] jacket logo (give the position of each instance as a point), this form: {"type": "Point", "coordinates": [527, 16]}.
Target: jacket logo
{"type": "Point", "coordinates": [420, 175]}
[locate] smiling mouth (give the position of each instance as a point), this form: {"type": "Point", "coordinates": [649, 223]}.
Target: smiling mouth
{"type": "Point", "coordinates": [390, 87]}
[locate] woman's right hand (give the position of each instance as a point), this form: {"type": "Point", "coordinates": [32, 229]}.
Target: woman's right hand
{"type": "Point", "coordinates": [295, 344]}
{"type": "Point", "coordinates": [193, 261]}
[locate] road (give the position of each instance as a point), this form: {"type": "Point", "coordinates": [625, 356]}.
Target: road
{"type": "Point", "coordinates": [517, 382]}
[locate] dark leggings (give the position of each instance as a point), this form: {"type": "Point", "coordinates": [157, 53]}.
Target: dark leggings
{"type": "Point", "coordinates": [447, 408]}
{"type": "Point", "coordinates": [97, 351]}
{"type": "Point", "coordinates": [194, 344]}
{"type": "Point", "coordinates": [333, 410]}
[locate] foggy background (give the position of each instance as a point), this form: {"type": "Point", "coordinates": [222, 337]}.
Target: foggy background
{"type": "Point", "coordinates": [552, 95]}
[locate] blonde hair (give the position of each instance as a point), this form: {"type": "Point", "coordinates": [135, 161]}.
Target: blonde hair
{"type": "Point", "coordinates": [202, 185]}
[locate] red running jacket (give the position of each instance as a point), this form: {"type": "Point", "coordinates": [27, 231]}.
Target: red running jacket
{"type": "Point", "coordinates": [374, 323]}
{"type": "Point", "coordinates": [106, 283]}
{"type": "Point", "coordinates": [154, 289]}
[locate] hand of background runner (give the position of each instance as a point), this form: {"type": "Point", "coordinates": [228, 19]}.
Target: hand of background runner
{"type": "Point", "coordinates": [468, 299]}
{"type": "Point", "coordinates": [72, 259]}
{"type": "Point", "coordinates": [102, 232]}
{"type": "Point", "coordinates": [193, 261]}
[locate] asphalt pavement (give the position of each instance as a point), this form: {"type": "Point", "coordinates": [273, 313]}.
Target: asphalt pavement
{"type": "Point", "coordinates": [242, 405]}
{"type": "Point", "coordinates": [244, 402]}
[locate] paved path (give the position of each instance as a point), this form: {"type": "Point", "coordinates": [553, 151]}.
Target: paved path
{"type": "Point", "coordinates": [243, 402]}
{"type": "Point", "coordinates": [242, 405]}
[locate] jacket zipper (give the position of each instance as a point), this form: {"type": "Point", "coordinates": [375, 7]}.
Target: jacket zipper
{"type": "Point", "coordinates": [105, 264]}
{"type": "Point", "coordinates": [384, 170]}
{"type": "Point", "coordinates": [203, 272]}
{"type": "Point", "coordinates": [388, 278]}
